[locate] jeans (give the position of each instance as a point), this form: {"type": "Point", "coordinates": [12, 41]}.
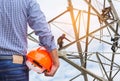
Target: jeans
{"type": "Point", "coordinates": [13, 72]}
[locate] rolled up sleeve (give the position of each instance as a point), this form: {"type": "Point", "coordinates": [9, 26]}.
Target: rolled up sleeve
{"type": "Point", "coordinates": [37, 21]}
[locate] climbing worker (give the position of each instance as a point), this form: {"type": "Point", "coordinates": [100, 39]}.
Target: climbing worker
{"type": "Point", "coordinates": [115, 44]}
{"type": "Point", "coordinates": [106, 14]}
{"type": "Point", "coordinates": [60, 41]}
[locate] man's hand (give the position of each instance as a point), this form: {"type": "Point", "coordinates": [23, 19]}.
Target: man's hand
{"type": "Point", "coordinates": [55, 64]}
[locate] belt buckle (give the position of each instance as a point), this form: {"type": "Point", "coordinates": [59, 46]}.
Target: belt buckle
{"type": "Point", "coordinates": [17, 59]}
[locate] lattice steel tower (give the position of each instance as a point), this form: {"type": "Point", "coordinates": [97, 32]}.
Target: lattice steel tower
{"type": "Point", "coordinates": [95, 34]}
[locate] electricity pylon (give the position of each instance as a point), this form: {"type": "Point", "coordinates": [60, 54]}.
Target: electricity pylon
{"type": "Point", "coordinates": [105, 35]}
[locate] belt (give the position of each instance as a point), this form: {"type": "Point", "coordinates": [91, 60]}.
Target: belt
{"type": "Point", "coordinates": [6, 57]}
{"type": "Point", "coordinates": [15, 58]}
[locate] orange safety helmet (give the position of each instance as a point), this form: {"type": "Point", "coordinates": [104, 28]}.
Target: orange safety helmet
{"type": "Point", "coordinates": [39, 60]}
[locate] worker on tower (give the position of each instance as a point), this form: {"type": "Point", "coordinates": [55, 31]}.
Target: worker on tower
{"type": "Point", "coordinates": [60, 40]}
{"type": "Point", "coordinates": [115, 44]}
{"type": "Point", "coordinates": [106, 14]}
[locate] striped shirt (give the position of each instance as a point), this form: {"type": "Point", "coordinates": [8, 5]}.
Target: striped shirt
{"type": "Point", "coordinates": [15, 16]}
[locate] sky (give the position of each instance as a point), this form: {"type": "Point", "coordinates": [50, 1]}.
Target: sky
{"type": "Point", "coordinates": [51, 9]}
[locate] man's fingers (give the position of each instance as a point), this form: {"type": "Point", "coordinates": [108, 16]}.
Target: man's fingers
{"type": "Point", "coordinates": [52, 72]}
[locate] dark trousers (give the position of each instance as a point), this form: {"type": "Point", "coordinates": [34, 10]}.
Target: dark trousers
{"type": "Point", "coordinates": [13, 72]}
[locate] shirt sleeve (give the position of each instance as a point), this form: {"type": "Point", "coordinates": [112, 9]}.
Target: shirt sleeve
{"type": "Point", "coordinates": [37, 21]}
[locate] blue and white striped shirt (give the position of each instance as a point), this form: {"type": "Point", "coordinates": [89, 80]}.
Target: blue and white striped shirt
{"type": "Point", "coordinates": [14, 17]}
